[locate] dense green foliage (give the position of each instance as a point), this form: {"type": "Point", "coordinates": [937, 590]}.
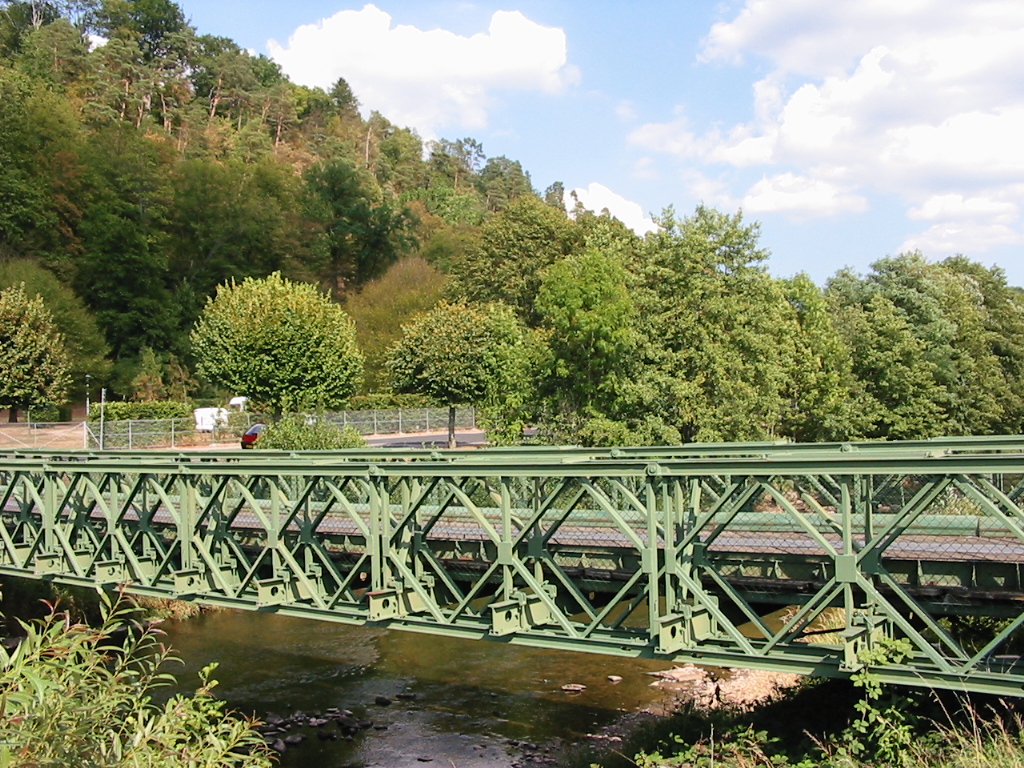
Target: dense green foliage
{"type": "Point", "coordinates": [380, 309]}
{"type": "Point", "coordinates": [72, 696]}
{"type": "Point", "coordinates": [299, 432]}
{"type": "Point", "coordinates": [150, 409]}
{"type": "Point", "coordinates": [86, 347]}
{"type": "Point", "coordinates": [33, 359]}
{"type": "Point", "coordinates": [462, 354]}
{"type": "Point", "coordinates": [138, 176]}
{"type": "Point", "coordinates": [283, 345]}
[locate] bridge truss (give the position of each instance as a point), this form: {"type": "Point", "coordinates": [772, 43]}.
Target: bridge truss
{"type": "Point", "coordinates": [772, 556]}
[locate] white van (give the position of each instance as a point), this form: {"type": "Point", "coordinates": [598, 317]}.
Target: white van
{"type": "Point", "coordinates": [208, 419]}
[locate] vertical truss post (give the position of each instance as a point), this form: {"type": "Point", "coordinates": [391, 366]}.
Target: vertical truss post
{"type": "Point", "coordinates": [49, 516]}
{"type": "Point", "coordinates": [846, 514]}
{"type": "Point", "coordinates": [650, 555]}
{"type": "Point", "coordinates": [381, 572]}
{"type": "Point", "coordinates": [672, 505]}
{"type": "Point", "coordinates": [186, 520]}
{"type": "Point", "coordinates": [505, 555]}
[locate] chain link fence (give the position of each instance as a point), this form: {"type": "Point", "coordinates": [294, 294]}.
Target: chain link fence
{"type": "Point", "coordinates": [183, 433]}
{"type": "Point", "coordinates": [59, 435]}
{"type": "Point", "coordinates": [402, 420]}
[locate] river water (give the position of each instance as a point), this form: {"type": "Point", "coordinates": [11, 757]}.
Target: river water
{"type": "Point", "coordinates": [472, 697]}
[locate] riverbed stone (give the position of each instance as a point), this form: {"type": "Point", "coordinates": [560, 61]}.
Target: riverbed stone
{"type": "Point", "coordinates": [382, 701]}
{"type": "Point", "coordinates": [348, 723]}
{"type": "Point", "coordinates": [406, 696]}
{"type": "Point", "coordinates": [279, 745]}
{"type": "Point", "coordinates": [294, 740]}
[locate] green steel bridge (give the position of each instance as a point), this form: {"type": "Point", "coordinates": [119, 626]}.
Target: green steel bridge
{"type": "Point", "coordinates": [792, 557]}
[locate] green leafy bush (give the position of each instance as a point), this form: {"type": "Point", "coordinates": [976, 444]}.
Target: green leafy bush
{"type": "Point", "coordinates": [156, 409]}
{"type": "Point", "coordinates": [299, 432]}
{"type": "Point", "coordinates": [72, 696]}
{"type": "Point", "coordinates": [44, 413]}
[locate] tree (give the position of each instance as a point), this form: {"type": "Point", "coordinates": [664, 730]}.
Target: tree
{"type": "Point", "coordinates": [282, 344]}
{"type": "Point", "coordinates": [18, 19]}
{"type": "Point", "coordinates": [87, 349]}
{"type": "Point", "coordinates": [156, 25]}
{"type": "Point", "coordinates": [585, 304]}
{"type": "Point", "coordinates": [945, 309]}
{"type": "Point", "coordinates": [452, 162]}
{"type": "Point", "coordinates": [554, 196]}
{"type": "Point", "coordinates": [720, 329]}
{"type": "Point", "coordinates": [229, 220]}
{"type": "Point", "coordinates": [148, 384]}
{"type": "Point", "coordinates": [360, 239]}
{"type": "Point", "coordinates": [39, 142]}
{"type": "Point", "coordinates": [1003, 317]}
{"type": "Point", "coordinates": [903, 400]}
{"type": "Point", "coordinates": [379, 310]}
{"type": "Point", "coordinates": [821, 394]}
{"type": "Point", "coordinates": [502, 181]}
{"type": "Point", "coordinates": [514, 248]}
{"type": "Point", "coordinates": [461, 354]}
{"type": "Point", "coordinates": [33, 360]}
{"type": "Point", "coordinates": [123, 272]}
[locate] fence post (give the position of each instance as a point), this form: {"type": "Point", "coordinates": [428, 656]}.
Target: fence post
{"type": "Point", "coordinates": [85, 435]}
{"type": "Point", "coordinates": [172, 433]}
{"type": "Point", "coordinates": [375, 422]}
{"type": "Point", "coordinates": [130, 434]}
{"type": "Point", "coordinates": [399, 421]}
{"type": "Point", "coordinates": [427, 409]}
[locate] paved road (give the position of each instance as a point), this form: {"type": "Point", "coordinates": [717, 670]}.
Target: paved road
{"type": "Point", "coordinates": [466, 438]}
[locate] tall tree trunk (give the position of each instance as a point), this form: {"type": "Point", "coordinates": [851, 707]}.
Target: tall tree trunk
{"type": "Point", "coordinates": [451, 426]}
{"type": "Point", "coordinates": [12, 415]}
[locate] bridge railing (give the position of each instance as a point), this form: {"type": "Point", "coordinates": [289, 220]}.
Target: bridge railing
{"type": "Point", "coordinates": [772, 556]}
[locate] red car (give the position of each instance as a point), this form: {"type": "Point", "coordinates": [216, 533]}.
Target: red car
{"type": "Point", "coordinates": [252, 434]}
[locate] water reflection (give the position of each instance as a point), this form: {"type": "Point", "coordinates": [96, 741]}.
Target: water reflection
{"type": "Point", "coordinates": [471, 696]}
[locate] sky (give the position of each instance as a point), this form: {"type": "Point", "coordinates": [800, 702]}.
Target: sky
{"type": "Point", "coordinates": [851, 130]}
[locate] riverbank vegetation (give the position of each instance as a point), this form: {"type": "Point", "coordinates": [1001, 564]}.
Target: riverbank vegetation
{"type": "Point", "coordinates": [824, 723]}
{"type": "Point", "coordinates": [144, 165]}
{"type": "Point", "coordinates": [74, 694]}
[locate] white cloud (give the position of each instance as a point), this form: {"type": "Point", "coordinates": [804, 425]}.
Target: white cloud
{"type": "Point", "coordinates": [644, 168]}
{"type": "Point", "coordinates": [917, 99]}
{"type": "Point", "coordinates": [426, 79]}
{"type": "Point", "coordinates": [800, 196]}
{"type": "Point", "coordinates": [953, 207]}
{"type": "Point", "coordinates": [598, 198]}
{"type": "Point", "coordinates": [675, 138]}
{"type": "Point", "coordinates": [968, 237]}
{"type": "Point", "coordinates": [625, 110]}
